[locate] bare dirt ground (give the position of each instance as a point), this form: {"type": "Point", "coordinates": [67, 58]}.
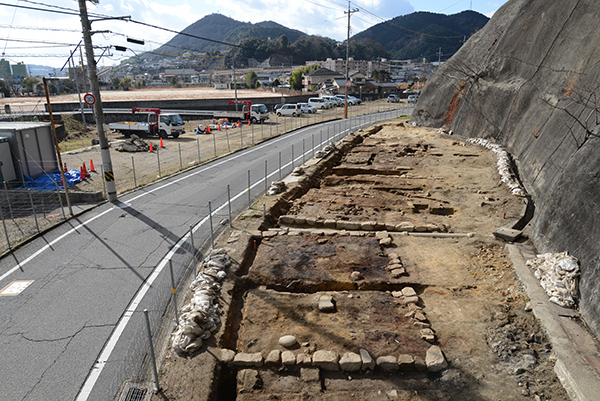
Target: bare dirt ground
{"type": "Point", "coordinates": [468, 293]}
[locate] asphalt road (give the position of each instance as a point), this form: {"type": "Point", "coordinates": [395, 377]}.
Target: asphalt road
{"type": "Point", "coordinates": [70, 334]}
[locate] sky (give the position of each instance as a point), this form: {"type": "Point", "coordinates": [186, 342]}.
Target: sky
{"type": "Point", "coordinates": [45, 38]}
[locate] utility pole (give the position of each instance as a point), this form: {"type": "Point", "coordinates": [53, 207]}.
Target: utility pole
{"type": "Point", "coordinates": [350, 12]}
{"type": "Point", "coordinates": [439, 56]}
{"type": "Point", "coordinates": [109, 176]}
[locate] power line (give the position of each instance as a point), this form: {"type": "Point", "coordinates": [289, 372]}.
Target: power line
{"type": "Point", "coordinates": [37, 28]}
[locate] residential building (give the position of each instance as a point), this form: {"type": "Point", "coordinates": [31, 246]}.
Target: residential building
{"type": "Point", "coordinates": [318, 77]}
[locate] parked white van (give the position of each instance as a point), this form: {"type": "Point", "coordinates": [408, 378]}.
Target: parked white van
{"type": "Point", "coordinates": [319, 103]}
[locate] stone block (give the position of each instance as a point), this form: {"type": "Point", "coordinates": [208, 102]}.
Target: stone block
{"type": "Point", "coordinates": [409, 292]}
{"type": "Point", "coordinates": [387, 363]}
{"type": "Point", "coordinates": [428, 335]}
{"type": "Point", "coordinates": [397, 273]}
{"type": "Point", "coordinates": [273, 359]}
{"type": "Point", "coordinates": [420, 316]}
{"type": "Point", "coordinates": [411, 300]}
{"type": "Point", "coordinates": [303, 360]}
{"type": "Point", "coordinates": [327, 360]}
{"type": "Point", "coordinates": [406, 362]}
{"type": "Point", "coordinates": [329, 223]}
{"type": "Point", "coordinates": [382, 235]}
{"type": "Point", "coordinates": [326, 304]}
{"type": "Point", "coordinates": [435, 359]}
{"type": "Point", "coordinates": [350, 362]}
{"type": "Point", "coordinates": [367, 361]}
{"type": "Point", "coordinates": [288, 358]}
{"type": "Point", "coordinates": [285, 219]}
{"type": "Point", "coordinates": [249, 380]}
{"type": "Point", "coordinates": [385, 242]}
{"type": "Point", "coordinates": [405, 227]}
{"type": "Point", "coordinates": [348, 225]}
{"type": "Point", "coordinates": [507, 234]}
{"type": "Point", "coordinates": [248, 360]}
{"type": "Point", "coordinates": [227, 356]}
{"type": "Point", "coordinates": [368, 226]}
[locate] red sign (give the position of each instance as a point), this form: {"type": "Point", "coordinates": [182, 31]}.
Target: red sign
{"type": "Point", "coordinates": [89, 99]}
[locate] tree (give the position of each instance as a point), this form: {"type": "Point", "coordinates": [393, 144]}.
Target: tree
{"type": "Point", "coordinates": [125, 84]}
{"type": "Point", "coordinates": [381, 76]}
{"type": "Point", "coordinates": [296, 78]}
{"type": "Point", "coordinates": [4, 89]}
{"type": "Point", "coordinates": [30, 84]}
{"type": "Point", "coordinates": [175, 82]}
{"type": "Point", "coordinates": [283, 41]}
{"type": "Point", "coordinates": [251, 79]}
{"type": "Point", "coordinates": [115, 81]}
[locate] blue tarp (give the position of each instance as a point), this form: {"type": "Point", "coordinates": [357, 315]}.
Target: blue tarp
{"type": "Point", "coordinates": [48, 182]}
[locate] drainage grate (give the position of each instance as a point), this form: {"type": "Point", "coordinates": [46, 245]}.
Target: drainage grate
{"type": "Point", "coordinates": [136, 394]}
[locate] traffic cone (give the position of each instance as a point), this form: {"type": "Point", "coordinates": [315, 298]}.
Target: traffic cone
{"type": "Point", "coordinates": [85, 172]}
{"type": "Point", "coordinates": [161, 143]}
{"type": "Point", "coordinates": [219, 127]}
{"type": "Point", "coordinates": [92, 168]}
{"type": "Point", "coordinates": [208, 129]}
{"type": "Point", "coordinates": [240, 124]}
{"type": "Point", "coordinates": [66, 167]}
{"type": "Point", "coordinates": [151, 148]}
{"type": "Point", "coordinates": [248, 121]}
{"type": "Point", "coordinates": [81, 175]}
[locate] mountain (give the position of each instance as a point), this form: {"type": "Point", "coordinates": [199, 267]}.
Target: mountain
{"type": "Point", "coordinates": [422, 34]}
{"type": "Point", "coordinates": [224, 29]}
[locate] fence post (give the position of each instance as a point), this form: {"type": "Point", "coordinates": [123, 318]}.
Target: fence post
{"type": "Point", "coordinates": [173, 290]}
{"type": "Point", "coordinates": [227, 138]}
{"type": "Point", "coordinates": [180, 161]}
{"type": "Point", "coordinates": [264, 212]}
{"type": "Point", "coordinates": [303, 151]}
{"type": "Point", "coordinates": [60, 200]}
{"type": "Point", "coordinates": [5, 230]}
{"type": "Point", "coordinates": [198, 146]}
{"type": "Point", "coordinates": [248, 189]}
{"type": "Point", "coordinates": [320, 139]}
{"type": "Point", "coordinates": [262, 137]}
{"type": "Point", "coordinates": [33, 209]}
{"type": "Point", "coordinates": [212, 236]}
{"type": "Point", "coordinates": [193, 249]}
{"type": "Point", "coordinates": [266, 177]}
{"type": "Point", "coordinates": [292, 157]}
{"type": "Point", "coordinates": [313, 144]}
{"type": "Point", "coordinates": [241, 136]}
{"type": "Point", "coordinates": [229, 203]}
{"type": "Point", "coordinates": [252, 128]}
{"type": "Point", "coordinates": [279, 166]}
{"type": "Point", "coordinates": [158, 161]}
{"type": "Point", "coordinates": [8, 200]}
{"type": "Point", "coordinates": [152, 357]}
{"type": "Point", "coordinates": [214, 142]}
{"type": "Point", "coordinates": [134, 177]}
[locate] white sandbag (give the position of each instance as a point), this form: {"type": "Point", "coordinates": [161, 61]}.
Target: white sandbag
{"type": "Point", "coordinates": [559, 276]}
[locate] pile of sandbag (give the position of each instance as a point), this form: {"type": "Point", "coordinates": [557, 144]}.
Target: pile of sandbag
{"type": "Point", "coordinates": [504, 165]}
{"type": "Point", "coordinates": [200, 317]}
{"type": "Point", "coordinates": [559, 275]}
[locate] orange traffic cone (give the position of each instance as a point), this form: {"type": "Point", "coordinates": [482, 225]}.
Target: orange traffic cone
{"type": "Point", "coordinates": [92, 168]}
{"type": "Point", "coordinates": [248, 121]}
{"type": "Point", "coordinates": [85, 172]}
{"type": "Point", "coordinates": [239, 124]}
{"type": "Point", "coordinates": [161, 143]}
{"type": "Point", "coordinates": [208, 129]}
{"type": "Point", "coordinates": [219, 127]}
{"type": "Point", "coordinates": [81, 174]}
{"type": "Point", "coordinates": [151, 148]}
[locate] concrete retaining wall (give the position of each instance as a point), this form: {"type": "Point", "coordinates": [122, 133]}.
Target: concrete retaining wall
{"type": "Point", "coordinates": [522, 81]}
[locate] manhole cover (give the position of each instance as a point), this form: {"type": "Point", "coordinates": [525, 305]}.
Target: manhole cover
{"type": "Point", "coordinates": [136, 394]}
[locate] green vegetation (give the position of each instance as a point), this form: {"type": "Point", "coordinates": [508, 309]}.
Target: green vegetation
{"type": "Point", "coordinates": [296, 78]}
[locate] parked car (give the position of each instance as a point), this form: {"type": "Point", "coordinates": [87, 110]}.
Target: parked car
{"type": "Point", "coordinates": [277, 107]}
{"type": "Point", "coordinates": [334, 100]}
{"type": "Point", "coordinates": [413, 98]}
{"type": "Point", "coordinates": [307, 108]}
{"type": "Point", "coordinates": [319, 103]}
{"type": "Point", "coordinates": [293, 110]}
{"type": "Point", "coordinates": [393, 98]}
{"type": "Point", "coordinates": [351, 99]}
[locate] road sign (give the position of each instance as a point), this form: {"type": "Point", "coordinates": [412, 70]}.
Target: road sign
{"type": "Point", "coordinates": [89, 99]}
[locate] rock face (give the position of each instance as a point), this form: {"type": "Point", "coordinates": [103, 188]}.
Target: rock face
{"type": "Point", "coordinates": [523, 81]}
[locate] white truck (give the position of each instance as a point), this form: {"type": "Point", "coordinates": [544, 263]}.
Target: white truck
{"type": "Point", "coordinates": [256, 113]}
{"type": "Point", "coordinates": [168, 124]}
